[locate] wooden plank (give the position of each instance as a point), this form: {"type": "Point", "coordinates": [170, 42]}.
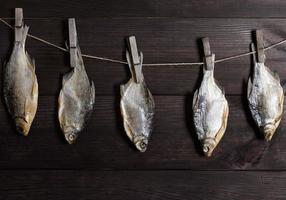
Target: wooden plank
{"type": "Point", "coordinates": [173, 145]}
{"type": "Point", "coordinates": [147, 185]}
{"type": "Point", "coordinates": [157, 41]}
{"type": "Point", "coordinates": [146, 8]}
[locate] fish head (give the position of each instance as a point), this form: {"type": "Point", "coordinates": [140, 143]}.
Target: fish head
{"type": "Point", "coordinates": [268, 131]}
{"type": "Point", "coordinates": [208, 146]}
{"type": "Point", "coordinates": [141, 143]}
{"type": "Point", "coordinates": [22, 125]}
{"type": "Point", "coordinates": [71, 134]}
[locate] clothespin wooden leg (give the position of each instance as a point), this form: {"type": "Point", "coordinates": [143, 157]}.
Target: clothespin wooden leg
{"type": "Point", "coordinates": [134, 59]}
{"type": "Point", "coordinates": [207, 54]}
{"type": "Point", "coordinates": [18, 24]}
{"type": "Point", "coordinates": [260, 46]}
{"type": "Point", "coordinates": [72, 42]}
{"type": "Point", "coordinates": [133, 50]}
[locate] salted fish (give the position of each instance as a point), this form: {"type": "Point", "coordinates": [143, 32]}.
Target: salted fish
{"type": "Point", "coordinates": [20, 84]}
{"type": "Point", "coordinates": [137, 106]}
{"type": "Point", "coordinates": [265, 98]}
{"type": "Point", "coordinates": [76, 99]}
{"type": "Point", "coordinates": [210, 111]}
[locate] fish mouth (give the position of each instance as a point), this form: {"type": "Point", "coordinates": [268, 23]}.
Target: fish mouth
{"type": "Point", "coordinates": [269, 130]}
{"type": "Point", "coordinates": [22, 126]}
{"type": "Point", "coordinates": [208, 146]}
{"type": "Point", "coordinates": [141, 143]}
{"type": "Point", "coordinates": [70, 135]}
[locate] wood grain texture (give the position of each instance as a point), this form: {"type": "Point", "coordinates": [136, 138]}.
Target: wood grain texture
{"type": "Point", "coordinates": [161, 40]}
{"type": "Point", "coordinates": [146, 8]}
{"type": "Point", "coordinates": [173, 145]}
{"type": "Point", "coordinates": [103, 164]}
{"type": "Point", "coordinates": [142, 185]}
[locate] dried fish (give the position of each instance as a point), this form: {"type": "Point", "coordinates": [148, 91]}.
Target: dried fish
{"type": "Point", "coordinates": [265, 94]}
{"type": "Point", "coordinates": [20, 81]}
{"type": "Point", "coordinates": [210, 107]}
{"type": "Point", "coordinates": [137, 104]}
{"type": "Point", "coordinates": [77, 96]}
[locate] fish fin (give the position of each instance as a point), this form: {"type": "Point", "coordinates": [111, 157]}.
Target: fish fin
{"type": "Point", "coordinates": [25, 34]}
{"type": "Point", "coordinates": [273, 74]}
{"type": "Point", "coordinates": [219, 86]}
{"type": "Point", "coordinates": [61, 107]}
{"type": "Point", "coordinates": [79, 57]}
{"type": "Point", "coordinates": [128, 130]}
{"type": "Point", "coordinates": [34, 92]}
{"type": "Point", "coordinates": [8, 106]}
{"type": "Point", "coordinates": [122, 89]}
{"type": "Point", "coordinates": [35, 87]}
{"type": "Point", "coordinates": [92, 93]}
{"type": "Point", "coordinates": [222, 129]}
{"type": "Point", "coordinates": [222, 91]}
{"type": "Point", "coordinates": [195, 98]}
{"type": "Point", "coordinates": [31, 61]}
{"type": "Point", "coordinates": [276, 76]}
{"type": "Point", "coordinates": [281, 103]}
{"type": "Point", "coordinates": [249, 87]}
{"type": "Point", "coordinates": [33, 104]}
{"type": "Point", "coordinates": [151, 100]}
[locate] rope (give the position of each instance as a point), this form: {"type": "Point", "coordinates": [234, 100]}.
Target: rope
{"type": "Point", "coordinates": [151, 64]}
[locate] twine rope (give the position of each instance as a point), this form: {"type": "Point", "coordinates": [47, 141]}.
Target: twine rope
{"type": "Point", "coordinates": [144, 64]}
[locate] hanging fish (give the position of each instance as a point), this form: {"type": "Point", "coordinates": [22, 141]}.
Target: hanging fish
{"type": "Point", "coordinates": [77, 96]}
{"type": "Point", "coordinates": [137, 104]}
{"type": "Point", "coordinates": [20, 82]}
{"type": "Point", "coordinates": [265, 93]}
{"type": "Point", "coordinates": [210, 107]}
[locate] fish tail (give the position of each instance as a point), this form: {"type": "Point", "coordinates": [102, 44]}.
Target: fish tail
{"type": "Point", "coordinates": [252, 48]}
{"type": "Point", "coordinates": [25, 34]}
{"type": "Point", "coordinates": [79, 60]}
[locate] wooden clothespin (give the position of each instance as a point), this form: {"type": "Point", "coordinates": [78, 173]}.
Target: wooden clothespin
{"type": "Point", "coordinates": [207, 54]}
{"type": "Point", "coordinates": [260, 46]}
{"type": "Point", "coordinates": [135, 59]}
{"type": "Point", "coordinates": [18, 24]}
{"type": "Point", "coordinates": [133, 50]}
{"type": "Point", "coordinates": [72, 42]}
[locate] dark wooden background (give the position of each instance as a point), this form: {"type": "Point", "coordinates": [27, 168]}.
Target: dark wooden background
{"type": "Point", "coordinates": [103, 164]}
